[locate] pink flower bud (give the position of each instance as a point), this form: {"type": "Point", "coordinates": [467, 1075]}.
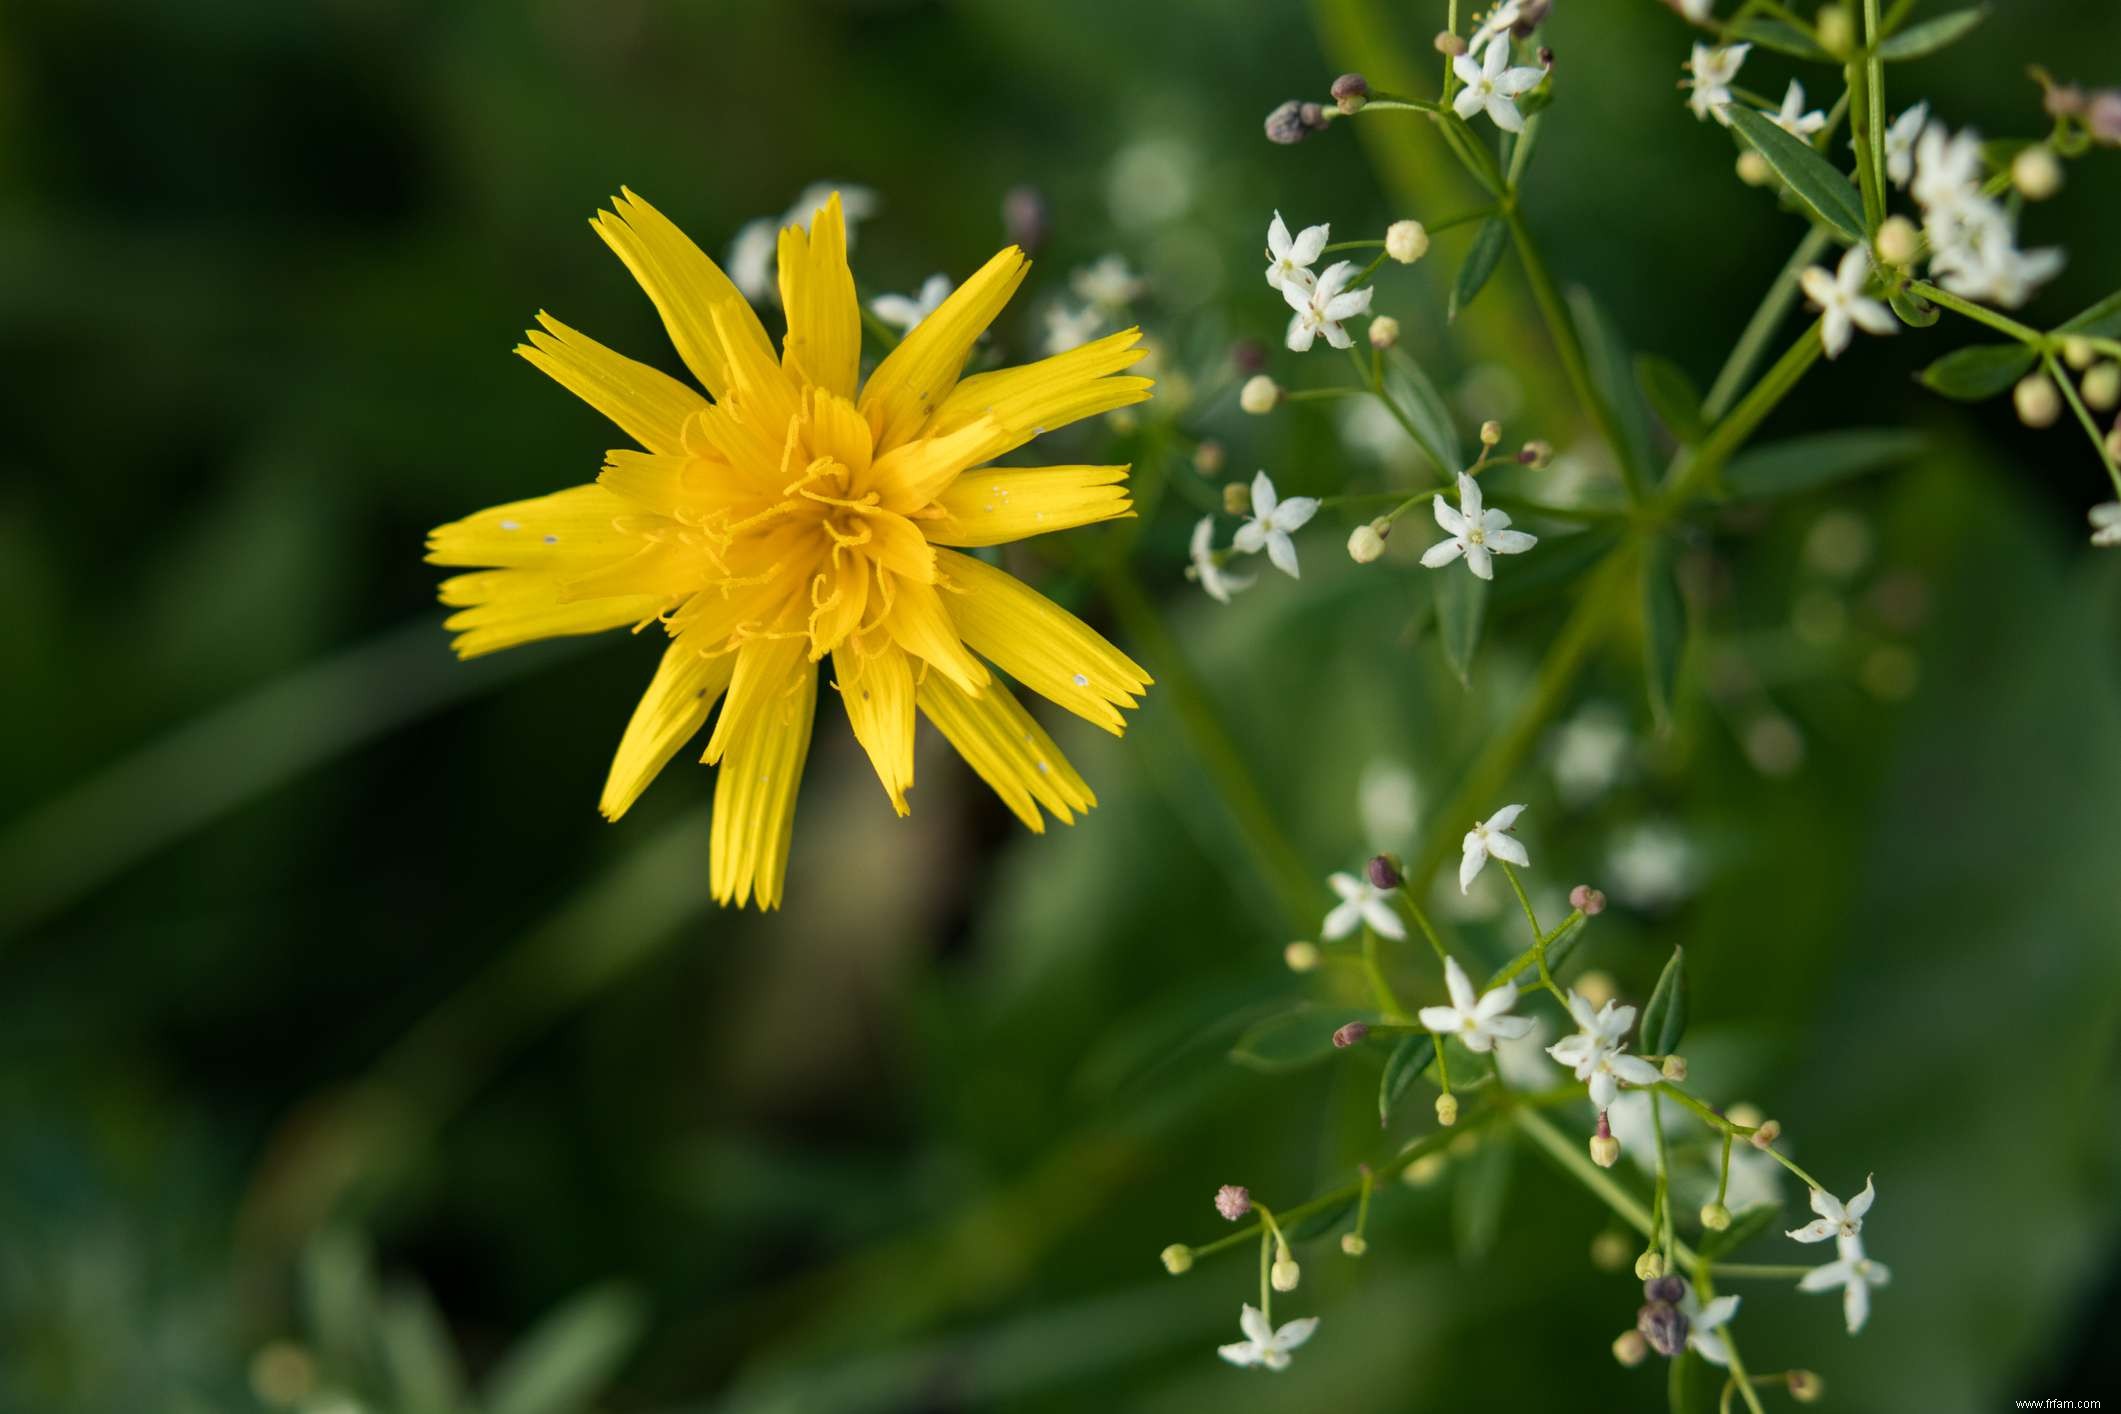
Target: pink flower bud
{"type": "Point", "coordinates": [1351, 1034]}
{"type": "Point", "coordinates": [1587, 899]}
{"type": "Point", "coordinates": [1233, 1201]}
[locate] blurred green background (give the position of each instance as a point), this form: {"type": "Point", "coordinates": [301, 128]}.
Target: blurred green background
{"type": "Point", "coordinates": [345, 1054]}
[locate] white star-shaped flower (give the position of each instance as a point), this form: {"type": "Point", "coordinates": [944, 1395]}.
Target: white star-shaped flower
{"type": "Point", "coordinates": [1984, 262]}
{"type": "Point", "coordinates": [1477, 1019]}
{"type": "Point", "coordinates": [1704, 1325]}
{"type": "Point", "coordinates": [1071, 328]}
{"type": "Point", "coordinates": [1361, 902]}
{"type": "Point", "coordinates": [1263, 1345]}
{"type": "Point", "coordinates": [1597, 1052]}
{"type": "Point", "coordinates": [907, 311]}
{"type": "Point", "coordinates": [1947, 166]}
{"type": "Point", "coordinates": [1493, 86]}
{"type": "Point", "coordinates": [1491, 840]}
{"type": "Point", "coordinates": [1322, 305]}
{"type": "Point", "coordinates": [1715, 70]}
{"type": "Point", "coordinates": [2106, 523]}
{"type": "Point", "coordinates": [1855, 1274]}
{"type": "Point", "coordinates": [1289, 258]}
{"type": "Point", "coordinates": [1212, 577]}
{"type": "Point", "coordinates": [1107, 284]}
{"type": "Point", "coordinates": [1475, 533]}
{"type": "Point", "coordinates": [1900, 143]}
{"type": "Point", "coordinates": [1500, 21]}
{"type": "Point", "coordinates": [1271, 522]}
{"type": "Point", "coordinates": [1836, 1219]}
{"type": "Point", "coordinates": [1793, 119]}
{"type": "Point", "coordinates": [1842, 305]}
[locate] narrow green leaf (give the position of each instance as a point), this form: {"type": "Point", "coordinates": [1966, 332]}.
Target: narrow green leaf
{"type": "Point", "coordinates": [1664, 1018]}
{"type": "Point", "coordinates": [1745, 1226]}
{"type": "Point", "coordinates": [1461, 605]}
{"type": "Point", "coordinates": [1804, 463]}
{"type": "Point", "coordinates": [1481, 260]}
{"type": "Point", "coordinates": [567, 1358]}
{"type": "Point", "coordinates": [1613, 379]}
{"type": "Point", "coordinates": [1320, 1223]}
{"type": "Point", "coordinates": [2101, 321]}
{"type": "Point", "coordinates": [1980, 371]}
{"type": "Point", "coordinates": [1914, 312]}
{"type": "Point", "coordinates": [1410, 1058]}
{"type": "Point", "coordinates": [1663, 629]}
{"type": "Point", "coordinates": [1932, 35]}
{"type": "Point", "coordinates": [1672, 395]}
{"type": "Point", "coordinates": [1425, 410]}
{"type": "Point", "coordinates": [1481, 1197]}
{"type": "Point", "coordinates": [1816, 182]}
{"type": "Point", "coordinates": [340, 1299]}
{"type": "Point", "coordinates": [1288, 1040]}
{"type": "Point", "coordinates": [425, 1374]}
{"type": "Point", "coordinates": [1780, 37]}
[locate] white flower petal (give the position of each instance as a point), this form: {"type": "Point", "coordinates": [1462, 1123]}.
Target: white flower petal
{"type": "Point", "coordinates": [1861, 1203]}
{"type": "Point", "coordinates": [1505, 818]}
{"type": "Point", "coordinates": [1442, 553]}
{"type": "Point", "coordinates": [1441, 1019]}
{"type": "Point", "coordinates": [1504, 847]}
{"type": "Point", "coordinates": [1282, 551]}
{"type": "Point", "coordinates": [1817, 1230]}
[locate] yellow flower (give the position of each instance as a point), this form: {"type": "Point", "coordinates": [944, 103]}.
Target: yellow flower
{"type": "Point", "coordinates": [785, 516]}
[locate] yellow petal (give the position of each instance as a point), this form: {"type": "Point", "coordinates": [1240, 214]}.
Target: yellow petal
{"type": "Point", "coordinates": [687, 488]}
{"type": "Point", "coordinates": [754, 793]}
{"type": "Point", "coordinates": [757, 386]}
{"type": "Point", "coordinates": [912, 474]}
{"type": "Point", "coordinates": [1010, 751]}
{"type": "Point", "coordinates": [502, 608]}
{"type": "Point", "coordinates": [876, 687]}
{"type": "Point", "coordinates": [898, 545]}
{"type": "Point", "coordinates": [583, 527]}
{"type": "Point", "coordinates": [1038, 397]}
{"type": "Point", "coordinates": [648, 405]}
{"type": "Point", "coordinates": [1039, 643]}
{"type": "Point", "coordinates": [917, 375]}
{"type": "Point", "coordinates": [764, 669]}
{"type": "Point", "coordinates": [686, 287]}
{"type": "Point", "coordinates": [995, 505]}
{"type": "Point", "coordinates": [838, 431]}
{"type": "Point", "coordinates": [839, 597]}
{"type": "Point", "coordinates": [671, 712]}
{"type": "Point", "coordinates": [919, 624]}
{"type": "Point", "coordinates": [667, 569]}
{"type": "Point", "coordinates": [824, 341]}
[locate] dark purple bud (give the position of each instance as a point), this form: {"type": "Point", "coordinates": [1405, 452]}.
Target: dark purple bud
{"type": "Point", "coordinates": [1286, 124]}
{"type": "Point", "coordinates": [1530, 16]}
{"type": "Point", "coordinates": [1664, 1326]}
{"type": "Point", "coordinates": [1383, 870]}
{"type": "Point", "coordinates": [1313, 116]}
{"type": "Point", "coordinates": [1664, 1288]}
{"type": "Point", "coordinates": [1351, 86]}
{"type": "Point", "coordinates": [1546, 57]}
{"type": "Point", "coordinates": [1026, 218]}
{"type": "Point", "coordinates": [1249, 356]}
{"type": "Point", "coordinates": [1351, 1034]}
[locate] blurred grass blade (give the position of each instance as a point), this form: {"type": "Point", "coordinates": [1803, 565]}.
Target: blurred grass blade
{"type": "Point", "coordinates": [567, 1359]}
{"type": "Point", "coordinates": [1461, 605]}
{"type": "Point", "coordinates": [339, 1301]}
{"type": "Point", "coordinates": [1806, 463]}
{"type": "Point", "coordinates": [1288, 1041]}
{"type": "Point", "coordinates": [1663, 629]}
{"type": "Point", "coordinates": [1486, 253]}
{"type": "Point", "coordinates": [418, 1355]}
{"type": "Point", "coordinates": [1691, 1384]}
{"type": "Point", "coordinates": [59, 853]}
{"type": "Point", "coordinates": [1481, 1197]}
{"type": "Point", "coordinates": [1932, 35]}
{"type": "Point", "coordinates": [1816, 182]}
{"type": "Point", "coordinates": [1979, 372]}
{"type": "Point", "coordinates": [1672, 396]}
{"type": "Point", "coordinates": [1320, 1223]}
{"type": "Point", "coordinates": [1425, 410]}
{"type": "Point", "coordinates": [1613, 378]}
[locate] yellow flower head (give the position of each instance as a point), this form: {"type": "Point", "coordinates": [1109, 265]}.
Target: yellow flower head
{"type": "Point", "coordinates": [788, 514]}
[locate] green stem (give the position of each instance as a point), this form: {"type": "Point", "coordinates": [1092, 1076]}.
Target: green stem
{"type": "Point", "coordinates": [1539, 940]}
{"type": "Point", "coordinates": [1773, 307]}
{"type": "Point", "coordinates": [1739, 424]}
{"type": "Point", "coordinates": [1743, 1270]}
{"type": "Point", "coordinates": [1945, 299]}
{"type": "Point", "coordinates": [2084, 418]}
{"type": "Point", "coordinates": [1421, 921]}
{"type": "Point", "coordinates": [1387, 1001]}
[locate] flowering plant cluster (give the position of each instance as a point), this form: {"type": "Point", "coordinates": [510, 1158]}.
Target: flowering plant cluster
{"type": "Point", "coordinates": [1618, 1070]}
